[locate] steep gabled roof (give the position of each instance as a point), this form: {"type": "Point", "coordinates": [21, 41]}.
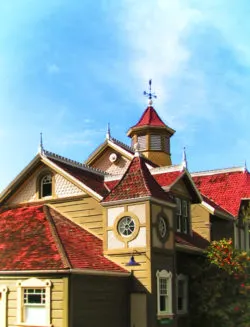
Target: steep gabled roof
{"type": "Point", "coordinates": [38, 238]}
{"type": "Point", "coordinates": [137, 182]}
{"type": "Point", "coordinates": [193, 241]}
{"type": "Point", "coordinates": [150, 118]}
{"type": "Point", "coordinates": [226, 187]}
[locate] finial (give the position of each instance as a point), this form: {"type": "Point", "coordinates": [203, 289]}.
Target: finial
{"type": "Point", "coordinates": [245, 165]}
{"type": "Point", "coordinates": [108, 132]}
{"type": "Point", "coordinates": [184, 158]}
{"type": "Point", "coordinates": [149, 94]}
{"type": "Point", "coordinates": [40, 149]}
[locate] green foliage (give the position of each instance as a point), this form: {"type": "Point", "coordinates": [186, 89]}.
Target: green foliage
{"type": "Point", "coordinates": [220, 287]}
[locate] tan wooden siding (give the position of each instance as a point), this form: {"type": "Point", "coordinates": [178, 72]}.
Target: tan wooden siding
{"type": "Point", "coordinates": [99, 301]}
{"type": "Point", "coordinates": [58, 299]}
{"type": "Point", "coordinates": [86, 212]}
{"type": "Point", "coordinates": [201, 221]}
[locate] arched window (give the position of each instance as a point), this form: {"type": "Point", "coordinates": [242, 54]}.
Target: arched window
{"type": "Point", "coordinates": [46, 186]}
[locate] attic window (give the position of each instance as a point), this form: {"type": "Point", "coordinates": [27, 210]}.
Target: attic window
{"type": "Point", "coordinates": [46, 186]}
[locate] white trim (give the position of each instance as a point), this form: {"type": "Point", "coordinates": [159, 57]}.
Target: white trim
{"type": "Point", "coordinates": [110, 178]}
{"type": "Point", "coordinates": [167, 275]}
{"type": "Point", "coordinates": [33, 283]}
{"type": "Point", "coordinates": [76, 181]}
{"type": "Point", "coordinates": [208, 207]}
{"type": "Point", "coordinates": [3, 305]}
{"type": "Point", "coordinates": [166, 169]}
{"type": "Point", "coordinates": [218, 171]}
{"type": "Point", "coordinates": [120, 149]}
{"type": "Point", "coordinates": [217, 212]}
{"type": "Point", "coordinates": [183, 278]}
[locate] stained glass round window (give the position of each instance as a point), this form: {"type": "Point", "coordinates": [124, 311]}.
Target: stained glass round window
{"type": "Point", "coordinates": [126, 226]}
{"type": "Point", "coordinates": [162, 227]}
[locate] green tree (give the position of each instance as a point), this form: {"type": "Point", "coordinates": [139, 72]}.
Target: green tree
{"type": "Point", "coordinates": [220, 287]}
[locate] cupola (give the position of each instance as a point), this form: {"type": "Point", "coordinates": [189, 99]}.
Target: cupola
{"type": "Point", "coordinates": [152, 135]}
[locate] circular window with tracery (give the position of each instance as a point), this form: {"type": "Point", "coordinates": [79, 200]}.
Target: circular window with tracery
{"type": "Point", "coordinates": [162, 227]}
{"type": "Point", "coordinates": [126, 226]}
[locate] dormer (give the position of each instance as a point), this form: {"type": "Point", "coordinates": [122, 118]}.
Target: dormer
{"type": "Point", "coordinates": [153, 137]}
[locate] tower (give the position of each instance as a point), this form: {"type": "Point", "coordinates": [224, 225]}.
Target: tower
{"type": "Point", "coordinates": [152, 134]}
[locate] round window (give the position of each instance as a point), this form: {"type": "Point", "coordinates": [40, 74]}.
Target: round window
{"type": "Point", "coordinates": [126, 226]}
{"type": "Point", "coordinates": [162, 227]}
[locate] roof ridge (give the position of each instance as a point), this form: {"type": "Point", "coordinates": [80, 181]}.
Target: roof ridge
{"type": "Point", "coordinates": [166, 169]}
{"type": "Point", "coordinates": [219, 171]}
{"type": "Point", "coordinates": [58, 242]}
{"type": "Point", "coordinates": [122, 144]}
{"type": "Point", "coordinates": [74, 163]}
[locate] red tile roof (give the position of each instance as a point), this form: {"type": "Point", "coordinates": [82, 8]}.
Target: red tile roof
{"type": "Point", "coordinates": [226, 189]}
{"type": "Point", "coordinates": [195, 240]}
{"type": "Point", "coordinates": [39, 238]}
{"type": "Point", "coordinates": [150, 118]}
{"type": "Point", "coordinates": [167, 178]}
{"type": "Point", "coordinates": [137, 182]}
{"type": "Point", "coordinates": [94, 181]}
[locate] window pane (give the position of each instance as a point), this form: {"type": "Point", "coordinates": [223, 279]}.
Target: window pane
{"type": "Point", "coordinates": [163, 302]}
{"type": "Point", "coordinates": [35, 315]}
{"type": "Point", "coordinates": [46, 186]}
{"type": "Point", "coordinates": [180, 303]}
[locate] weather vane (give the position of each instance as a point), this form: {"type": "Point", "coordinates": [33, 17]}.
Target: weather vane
{"type": "Point", "coordinates": [149, 94]}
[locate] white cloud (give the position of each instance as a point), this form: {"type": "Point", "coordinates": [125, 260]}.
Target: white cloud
{"type": "Point", "coordinates": [154, 31]}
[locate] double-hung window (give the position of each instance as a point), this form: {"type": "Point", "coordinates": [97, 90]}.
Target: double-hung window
{"type": "Point", "coordinates": [33, 306]}
{"type": "Point", "coordinates": [164, 292]}
{"type": "Point", "coordinates": [182, 215]}
{"type": "Point", "coordinates": [182, 294]}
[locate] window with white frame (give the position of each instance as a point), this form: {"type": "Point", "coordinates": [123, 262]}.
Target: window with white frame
{"type": "Point", "coordinates": [46, 186]}
{"type": "Point", "coordinates": [33, 302]}
{"type": "Point", "coordinates": [3, 305]}
{"type": "Point", "coordinates": [182, 215]}
{"type": "Point", "coordinates": [164, 292]}
{"type": "Point", "coordinates": [182, 294]}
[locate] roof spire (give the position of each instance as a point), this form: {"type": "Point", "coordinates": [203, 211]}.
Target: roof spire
{"type": "Point", "coordinates": [108, 132]}
{"type": "Point", "coordinates": [40, 148]}
{"type": "Point", "coordinates": [245, 165]}
{"type": "Point", "coordinates": [184, 158]}
{"type": "Point", "coordinates": [149, 94]}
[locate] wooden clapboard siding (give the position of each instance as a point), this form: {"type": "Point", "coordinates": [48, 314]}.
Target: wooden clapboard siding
{"type": "Point", "coordinates": [86, 212]}
{"type": "Point", "coordinates": [59, 300]}
{"type": "Point", "coordinates": [201, 221]}
{"type": "Point", "coordinates": [99, 301]}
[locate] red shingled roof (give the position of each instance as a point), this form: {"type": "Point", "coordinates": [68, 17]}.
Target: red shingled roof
{"type": "Point", "coordinates": [167, 178]}
{"type": "Point", "coordinates": [90, 179]}
{"type": "Point", "coordinates": [137, 182]}
{"type": "Point", "coordinates": [150, 118]}
{"type": "Point", "coordinates": [39, 238]}
{"type": "Point", "coordinates": [226, 189]}
{"type": "Point", "coordinates": [194, 240]}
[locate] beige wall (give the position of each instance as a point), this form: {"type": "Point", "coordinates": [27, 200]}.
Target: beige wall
{"type": "Point", "coordinates": [59, 302]}
{"type": "Point", "coordinates": [201, 221]}
{"type": "Point", "coordinates": [86, 212]}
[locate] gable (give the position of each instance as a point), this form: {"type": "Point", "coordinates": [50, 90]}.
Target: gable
{"type": "Point", "coordinates": [106, 161]}
{"type": "Point", "coordinates": [181, 189]}
{"type": "Point", "coordinates": [28, 191]}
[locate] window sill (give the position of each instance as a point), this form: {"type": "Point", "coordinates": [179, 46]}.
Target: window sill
{"type": "Point", "coordinates": [23, 324]}
{"type": "Point", "coordinates": [165, 315]}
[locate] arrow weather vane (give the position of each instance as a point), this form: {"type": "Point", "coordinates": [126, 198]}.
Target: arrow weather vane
{"type": "Point", "coordinates": [149, 94]}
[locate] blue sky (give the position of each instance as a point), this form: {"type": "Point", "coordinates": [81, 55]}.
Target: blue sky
{"type": "Point", "coordinates": [67, 68]}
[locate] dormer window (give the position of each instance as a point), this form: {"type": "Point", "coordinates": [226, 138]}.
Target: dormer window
{"type": "Point", "coordinates": [46, 186]}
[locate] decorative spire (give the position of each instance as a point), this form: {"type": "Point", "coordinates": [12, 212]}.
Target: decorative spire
{"type": "Point", "coordinates": [149, 94]}
{"type": "Point", "coordinates": [40, 148]}
{"type": "Point", "coordinates": [108, 132]}
{"type": "Point", "coordinates": [245, 165]}
{"type": "Point", "coordinates": [184, 159]}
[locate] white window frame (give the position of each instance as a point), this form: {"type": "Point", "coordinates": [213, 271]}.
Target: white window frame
{"type": "Point", "coordinates": [167, 275]}
{"type": "Point", "coordinates": [3, 305]}
{"type": "Point", "coordinates": [183, 278]}
{"type": "Point", "coordinates": [178, 214]}
{"type": "Point", "coordinates": [33, 283]}
{"type": "Point", "coordinates": [42, 183]}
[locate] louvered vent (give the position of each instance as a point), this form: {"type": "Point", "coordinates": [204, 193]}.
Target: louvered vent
{"type": "Point", "coordinates": [142, 142]}
{"type": "Point", "coordinates": [155, 142]}
{"type": "Point", "coordinates": [167, 144]}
